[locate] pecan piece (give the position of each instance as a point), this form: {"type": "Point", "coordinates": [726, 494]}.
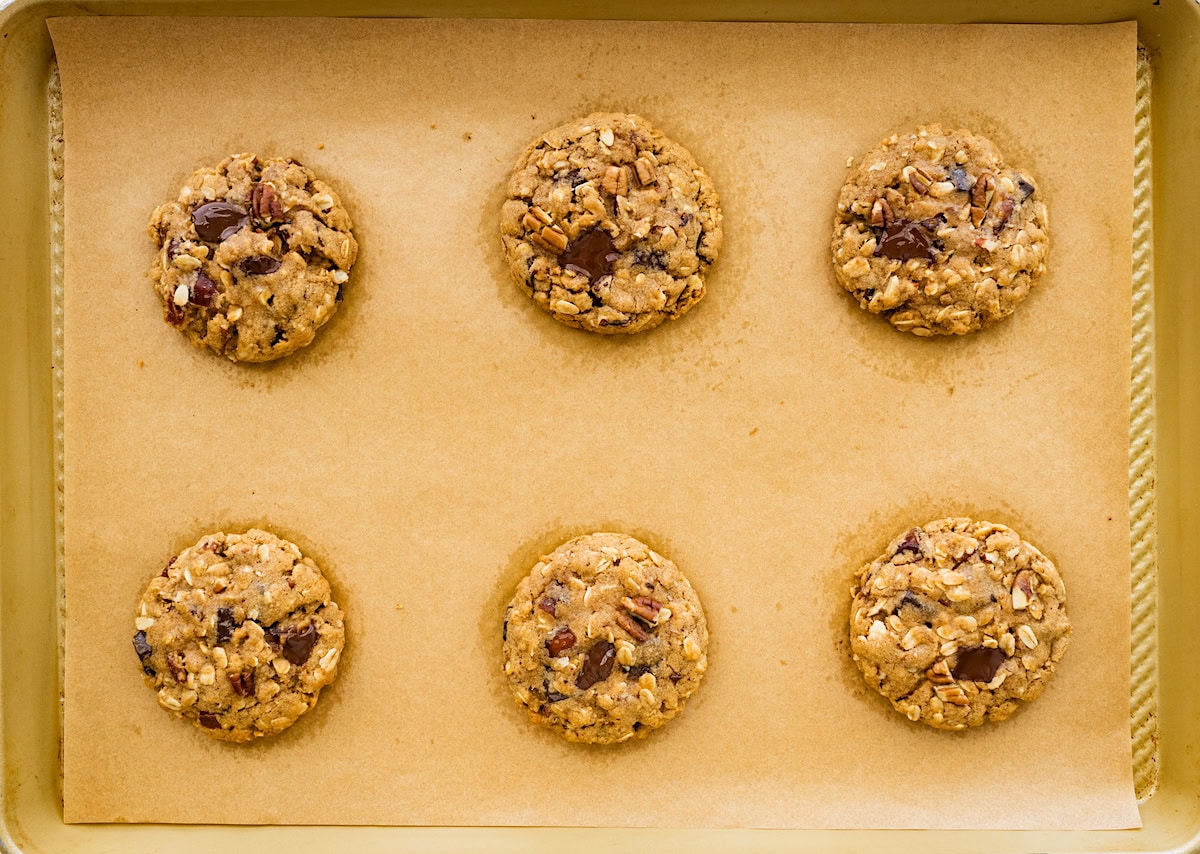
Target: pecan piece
{"type": "Point", "coordinates": [881, 213]}
{"type": "Point", "coordinates": [643, 607]}
{"type": "Point", "coordinates": [178, 671]}
{"type": "Point", "coordinates": [264, 202]}
{"type": "Point", "coordinates": [645, 171]}
{"type": "Point", "coordinates": [634, 628]}
{"type": "Point", "coordinates": [939, 674]}
{"type": "Point", "coordinates": [615, 181]}
{"type": "Point", "coordinates": [982, 192]}
{"type": "Point", "coordinates": [1005, 209]}
{"type": "Point", "coordinates": [242, 683]}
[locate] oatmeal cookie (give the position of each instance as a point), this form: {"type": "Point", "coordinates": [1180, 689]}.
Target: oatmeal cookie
{"type": "Point", "coordinates": [937, 234]}
{"type": "Point", "coordinates": [238, 635]}
{"type": "Point", "coordinates": [958, 623]}
{"type": "Point", "coordinates": [604, 640]}
{"type": "Point", "coordinates": [252, 257]}
{"type": "Point", "coordinates": [609, 225]}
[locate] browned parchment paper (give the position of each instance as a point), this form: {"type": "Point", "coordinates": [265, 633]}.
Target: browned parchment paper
{"type": "Point", "coordinates": [442, 432]}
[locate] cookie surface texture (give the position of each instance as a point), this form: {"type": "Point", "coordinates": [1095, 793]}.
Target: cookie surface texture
{"type": "Point", "coordinates": [238, 635]}
{"type": "Point", "coordinates": [958, 623]}
{"type": "Point", "coordinates": [609, 225]}
{"type": "Point", "coordinates": [937, 234]}
{"type": "Point", "coordinates": [252, 257]}
{"type": "Point", "coordinates": [604, 640]}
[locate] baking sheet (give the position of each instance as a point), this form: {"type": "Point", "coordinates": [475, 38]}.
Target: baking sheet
{"type": "Point", "coordinates": [442, 432]}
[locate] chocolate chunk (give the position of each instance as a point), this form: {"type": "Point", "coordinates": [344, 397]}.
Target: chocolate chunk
{"type": "Point", "coordinates": [591, 253]}
{"type": "Point", "coordinates": [910, 543]}
{"type": "Point", "coordinates": [548, 605]}
{"type": "Point", "coordinates": [174, 247]}
{"type": "Point", "coordinates": [635, 672]}
{"type": "Point", "coordinates": [143, 651]}
{"type": "Point", "coordinates": [203, 290]}
{"type": "Point", "coordinates": [960, 179]}
{"type": "Point", "coordinates": [554, 696]}
{"type": "Point", "coordinates": [273, 638]}
{"type": "Point", "coordinates": [904, 240]}
{"type": "Point", "coordinates": [675, 677]}
{"type": "Point", "coordinates": [242, 683]}
{"type": "Point", "coordinates": [921, 610]}
{"type": "Point", "coordinates": [562, 640]}
{"type": "Point", "coordinates": [1027, 189]}
{"type": "Point", "coordinates": [209, 721]}
{"type": "Point", "coordinates": [217, 221]}
{"type": "Point", "coordinates": [259, 265]}
{"type": "Point", "coordinates": [298, 646]}
{"type": "Point", "coordinates": [978, 664]}
{"type": "Point", "coordinates": [225, 625]}
{"type": "Point", "coordinates": [597, 665]}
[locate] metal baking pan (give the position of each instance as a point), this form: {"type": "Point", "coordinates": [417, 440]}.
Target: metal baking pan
{"type": "Point", "coordinates": [1164, 480]}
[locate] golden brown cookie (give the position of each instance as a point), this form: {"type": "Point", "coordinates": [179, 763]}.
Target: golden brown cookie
{"type": "Point", "coordinates": [252, 257]}
{"type": "Point", "coordinates": [239, 634]}
{"type": "Point", "coordinates": [959, 622]}
{"type": "Point", "coordinates": [936, 233]}
{"type": "Point", "coordinates": [604, 640]}
{"type": "Point", "coordinates": [609, 225]}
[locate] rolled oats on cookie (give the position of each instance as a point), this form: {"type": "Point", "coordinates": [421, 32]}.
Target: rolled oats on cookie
{"type": "Point", "coordinates": [959, 622]}
{"type": "Point", "coordinates": [609, 225]}
{"type": "Point", "coordinates": [252, 257]}
{"type": "Point", "coordinates": [239, 634]}
{"type": "Point", "coordinates": [604, 640]}
{"type": "Point", "coordinates": [937, 234]}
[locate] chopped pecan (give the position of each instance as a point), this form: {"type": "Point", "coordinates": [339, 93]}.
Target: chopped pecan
{"type": "Point", "coordinates": [264, 202]}
{"type": "Point", "coordinates": [178, 671]}
{"type": "Point", "coordinates": [615, 181]}
{"type": "Point", "coordinates": [632, 626]}
{"type": "Point", "coordinates": [242, 683]}
{"type": "Point", "coordinates": [881, 213]}
{"type": "Point", "coordinates": [981, 193]}
{"type": "Point", "coordinates": [643, 607]}
{"type": "Point", "coordinates": [645, 171]}
{"type": "Point", "coordinates": [939, 674]}
{"type": "Point", "coordinates": [1004, 211]}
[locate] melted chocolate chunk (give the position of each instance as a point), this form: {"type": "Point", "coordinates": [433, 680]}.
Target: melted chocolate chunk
{"type": "Point", "coordinates": [635, 672]}
{"type": "Point", "coordinates": [960, 179]}
{"type": "Point", "coordinates": [560, 642]}
{"type": "Point", "coordinates": [259, 265]}
{"type": "Point", "coordinates": [298, 646]}
{"type": "Point", "coordinates": [978, 664]}
{"type": "Point", "coordinates": [904, 240]}
{"type": "Point", "coordinates": [217, 221]}
{"type": "Point", "coordinates": [209, 721]}
{"type": "Point", "coordinates": [597, 665]}
{"type": "Point", "coordinates": [143, 652]}
{"type": "Point", "coordinates": [911, 543]}
{"type": "Point", "coordinates": [1027, 189]}
{"type": "Point", "coordinates": [225, 625]}
{"type": "Point", "coordinates": [591, 253]}
{"type": "Point", "coordinates": [203, 290]}
{"type": "Point", "coordinates": [918, 603]}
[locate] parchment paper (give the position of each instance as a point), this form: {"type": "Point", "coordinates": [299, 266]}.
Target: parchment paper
{"type": "Point", "coordinates": [442, 432]}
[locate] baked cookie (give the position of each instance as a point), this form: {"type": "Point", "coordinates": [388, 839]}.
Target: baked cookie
{"type": "Point", "coordinates": [238, 634]}
{"type": "Point", "coordinates": [937, 234]}
{"type": "Point", "coordinates": [609, 225]}
{"type": "Point", "coordinates": [252, 257]}
{"type": "Point", "coordinates": [604, 640]}
{"type": "Point", "coordinates": [959, 622]}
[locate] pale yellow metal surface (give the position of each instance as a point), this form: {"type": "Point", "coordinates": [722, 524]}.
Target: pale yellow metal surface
{"type": "Point", "coordinates": [1164, 478]}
